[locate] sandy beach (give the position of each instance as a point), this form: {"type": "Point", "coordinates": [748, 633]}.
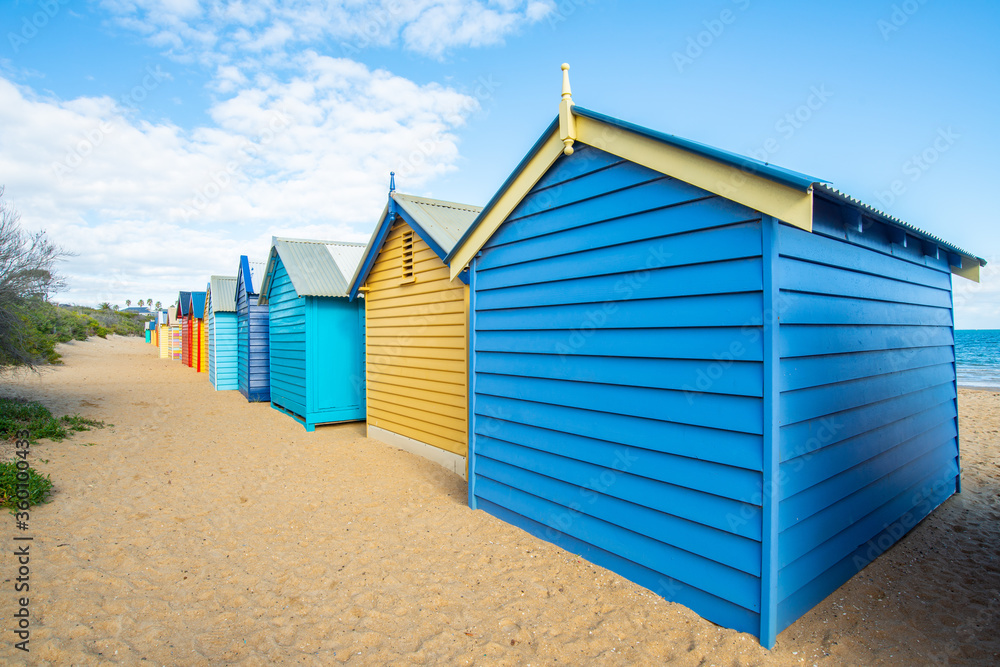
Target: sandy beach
{"type": "Point", "coordinates": [200, 529]}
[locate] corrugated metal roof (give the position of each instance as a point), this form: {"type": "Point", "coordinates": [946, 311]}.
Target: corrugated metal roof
{"type": "Point", "coordinates": [440, 223]}
{"type": "Point", "coordinates": [444, 221]}
{"type": "Point", "coordinates": [223, 293]}
{"type": "Point", "coordinates": [882, 216]}
{"type": "Point", "coordinates": [256, 274]}
{"type": "Point", "coordinates": [787, 177]}
{"type": "Point", "coordinates": [316, 268]}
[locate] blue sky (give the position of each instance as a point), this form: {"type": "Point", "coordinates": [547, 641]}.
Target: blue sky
{"type": "Point", "coordinates": [159, 140]}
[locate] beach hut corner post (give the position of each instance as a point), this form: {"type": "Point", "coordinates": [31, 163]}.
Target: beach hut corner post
{"type": "Point", "coordinates": [727, 381]}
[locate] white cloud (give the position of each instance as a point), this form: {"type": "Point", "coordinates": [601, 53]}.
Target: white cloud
{"type": "Point", "coordinates": [152, 208]}
{"type": "Point", "coordinates": [428, 27]}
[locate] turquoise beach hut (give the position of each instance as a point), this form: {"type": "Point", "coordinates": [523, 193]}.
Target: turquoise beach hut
{"type": "Point", "coordinates": [252, 332]}
{"type": "Point", "coordinates": [726, 381]}
{"type": "Point", "coordinates": [221, 307]}
{"type": "Point", "coordinates": [316, 333]}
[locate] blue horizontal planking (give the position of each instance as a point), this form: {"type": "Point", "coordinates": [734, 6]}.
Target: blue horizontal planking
{"type": "Point", "coordinates": [667, 223]}
{"type": "Point", "coordinates": [819, 249]}
{"type": "Point", "coordinates": [726, 481]}
{"type": "Point", "coordinates": [720, 547]}
{"type": "Point", "coordinates": [565, 170]}
{"type": "Point", "coordinates": [803, 536]}
{"type": "Point", "coordinates": [828, 221]}
{"type": "Point", "coordinates": [815, 402]}
{"type": "Point", "coordinates": [738, 587]}
{"type": "Point", "coordinates": [800, 308]}
{"type": "Point", "coordinates": [819, 279]}
{"type": "Point", "coordinates": [223, 364]}
{"type": "Point", "coordinates": [599, 187]}
{"type": "Point", "coordinates": [797, 439]}
{"type": "Point", "coordinates": [743, 378]}
{"type": "Point", "coordinates": [632, 193]}
{"type": "Point", "coordinates": [739, 275]}
{"type": "Point", "coordinates": [721, 344]}
{"type": "Point", "coordinates": [805, 372]}
{"type": "Point", "coordinates": [817, 497]}
{"type": "Point", "coordinates": [720, 310]}
{"type": "Point", "coordinates": [714, 245]}
{"type": "Point", "coordinates": [716, 609]}
{"type": "Point", "coordinates": [810, 340]}
{"type": "Point", "coordinates": [907, 504]}
{"type": "Point", "coordinates": [742, 450]}
{"type": "Point", "coordinates": [734, 413]}
{"type": "Point", "coordinates": [822, 460]}
{"type": "Point", "coordinates": [795, 603]}
{"type": "Point", "coordinates": [724, 514]}
{"type": "Point", "coordinates": [287, 343]}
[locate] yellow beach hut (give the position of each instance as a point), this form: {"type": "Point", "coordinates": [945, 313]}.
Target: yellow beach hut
{"type": "Point", "coordinates": [163, 333]}
{"type": "Point", "coordinates": [416, 348]}
{"type": "Point", "coordinates": [174, 338]}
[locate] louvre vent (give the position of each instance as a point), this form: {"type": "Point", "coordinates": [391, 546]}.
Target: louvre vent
{"type": "Point", "coordinates": [407, 256]}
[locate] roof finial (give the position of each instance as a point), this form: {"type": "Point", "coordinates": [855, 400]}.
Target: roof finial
{"type": "Point", "coordinates": [567, 122]}
{"type": "Point", "coordinates": [392, 182]}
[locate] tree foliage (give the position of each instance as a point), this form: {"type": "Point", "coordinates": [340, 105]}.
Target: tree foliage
{"type": "Point", "coordinates": [27, 277]}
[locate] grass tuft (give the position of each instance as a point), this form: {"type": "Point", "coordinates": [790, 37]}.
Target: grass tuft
{"type": "Point", "coordinates": [39, 485]}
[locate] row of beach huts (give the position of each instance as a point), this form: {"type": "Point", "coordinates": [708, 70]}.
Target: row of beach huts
{"type": "Point", "coordinates": [724, 380]}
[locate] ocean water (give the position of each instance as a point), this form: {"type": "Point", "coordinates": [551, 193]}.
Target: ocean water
{"type": "Point", "coordinates": [977, 357]}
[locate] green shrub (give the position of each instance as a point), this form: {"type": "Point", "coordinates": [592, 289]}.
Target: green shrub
{"type": "Point", "coordinates": [39, 485]}
{"type": "Point", "coordinates": [17, 415]}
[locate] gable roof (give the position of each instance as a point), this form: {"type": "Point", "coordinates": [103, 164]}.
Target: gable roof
{"type": "Point", "coordinates": [251, 273]}
{"type": "Point", "coordinates": [439, 223]}
{"type": "Point", "coordinates": [784, 194]}
{"type": "Point", "coordinates": [172, 315]}
{"type": "Point", "coordinates": [183, 304]}
{"type": "Point", "coordinates": [223, 294]}
{"type": "Point", "coordinates": [316, 268]}
{"type": "Point", "coordinates": [198, 304]}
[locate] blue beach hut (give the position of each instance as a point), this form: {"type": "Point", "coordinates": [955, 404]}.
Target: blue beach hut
{"type": "Point", "coordinates": [221, 307]}
{"type": "Point", "coordinates": [316, 333]}
{"type": "Point", "coordinates": [726, 381]}
{"type": "Point", "coordinates": [252, 327]}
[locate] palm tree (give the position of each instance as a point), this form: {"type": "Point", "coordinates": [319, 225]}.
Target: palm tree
{"type": "Point", "coordinates": [105, 306]}
{"type": "Point", "coordinates": [128, 302]}
{"type": "Point", "coordinates": [158, 305]}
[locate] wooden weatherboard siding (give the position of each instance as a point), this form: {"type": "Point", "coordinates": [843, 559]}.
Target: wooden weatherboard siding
{"type": "Point", "coordinates": [869, 429]}
{"type": "Point", "coordinates": [316, 354]}
{"type": "Point", "coordinates": [600, 307]}
{"type": "Point", "coordinates": [732, 411]}
{"type": "Point", "coordinates": [416, 346]}
{"type": "Point", "coordinates": [222, 349]}
{"type": "Point", "coordinates": [287, 343]}
{"type": "Point", "coordinates": [252, 324]}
